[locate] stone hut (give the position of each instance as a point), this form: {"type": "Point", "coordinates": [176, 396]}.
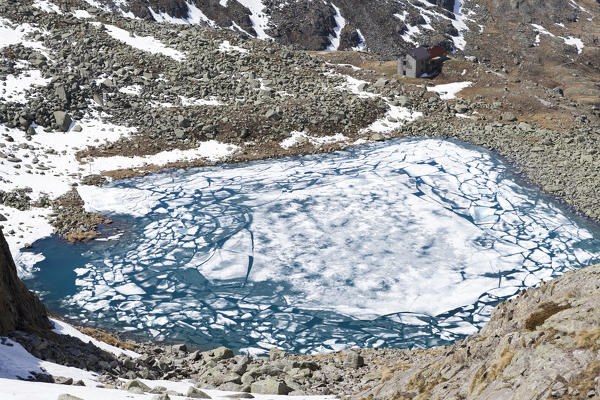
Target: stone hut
{"type": "Point", "coordinates": [422, 62]}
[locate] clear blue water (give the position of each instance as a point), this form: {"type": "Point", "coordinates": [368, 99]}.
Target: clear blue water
{"type": "Point", "coordinates": [408, 243]}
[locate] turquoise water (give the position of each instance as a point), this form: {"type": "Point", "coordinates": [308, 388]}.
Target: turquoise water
{"type": "Point", "coordinates": [408, 243]}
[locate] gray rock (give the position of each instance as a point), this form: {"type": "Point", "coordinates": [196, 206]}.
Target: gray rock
{"type": "Point", "coordinates": [461, 108]}
{"type": "Point", "coordinates": [66, 396]}
{"type": "Point", "coordinates": [241, 396]}
{"type": "Point", "coordinates": [381, 82]}
{"type": "Point", "coordinates": [179, 133]}
{"type": "Point", "coordinates": [508, 116]}
{"type": "Point", "coordinates": [61, 380]}
{"type": "Point", "coordinates": [276, 354]}
{"type": "Point", "coordinates": [269, 386]}
{"type": "Point", "coordinates": [77, 128]}
{"type": "Point", "coordinates": [63, 120]}
{"type": "Point", "coordinates": [62, 94]}
{"type": "Point", "coordinates": [404, 101]}
{"type": "Point", "coordinates": [162, 396]}
{"type": "Point", "coordinates": [221, 353]}
{"type": "Point", "coordinates": [196, 393]}
{"type": "Point", "coordinates": [272, 114]}
{"type": "Point", "coordinates": [136, 386]}
{"type": "Point", "coordinates": [354, 360]}
{"type": "Point", "coordinates": [98, 99]}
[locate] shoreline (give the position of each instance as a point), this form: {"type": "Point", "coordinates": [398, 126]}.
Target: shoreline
{"type": "Point", "coordinates": [338, 147]}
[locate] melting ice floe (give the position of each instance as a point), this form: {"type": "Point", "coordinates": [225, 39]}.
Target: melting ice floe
{"type": "Point", "coordinates": [408, 243]}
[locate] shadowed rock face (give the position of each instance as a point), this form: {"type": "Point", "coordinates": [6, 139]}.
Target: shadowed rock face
{"type": "Point", "coordinates": [20, 309]}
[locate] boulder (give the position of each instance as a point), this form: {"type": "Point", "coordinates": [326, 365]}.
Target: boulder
{"type": "Point", "coordinates": [66, 396]}
{"type": "Point", "coordinates": [136, 386]}
{"type": "Point", "coordinates": [269, 386]}
{"type": "Point", "coordinates": [508, 116]}
{"type": "Point", "coordinates": [63, 120]}
{"type": "Point", "coordinates": [354, 360]}
{"type": "Point", "coordinates": [196, 393]}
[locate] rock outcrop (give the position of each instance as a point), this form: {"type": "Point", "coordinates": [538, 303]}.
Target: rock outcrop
{"type": "Point", "coordinates": [545, 343]}
{"type": "Point", "coordinates": [19, 308]}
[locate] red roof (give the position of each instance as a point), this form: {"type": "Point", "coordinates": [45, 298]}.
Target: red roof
{"type": "Point", "coordinates": [436, 51]}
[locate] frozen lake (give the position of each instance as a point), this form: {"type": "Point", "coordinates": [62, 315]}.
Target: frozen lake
{"type": "Point", "coordinates": [407, 243]}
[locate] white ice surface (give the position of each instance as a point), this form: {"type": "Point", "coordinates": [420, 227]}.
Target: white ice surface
{"type": "Point", "coordinates": [448, 91]}
{"type": "Point", "coordinates": [144, 43]}
{"type": "Point", "coordinates": [402, 251]}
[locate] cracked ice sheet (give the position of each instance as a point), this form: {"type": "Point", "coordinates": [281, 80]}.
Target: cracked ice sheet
{"type": "Point", "coordinates": [144, 43]}
{"type": "Point", "coordinates": [409, 226]}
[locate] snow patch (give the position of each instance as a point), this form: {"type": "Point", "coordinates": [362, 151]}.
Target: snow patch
{"type": "Point", "coordinates": [297, 138]}
{"type": "Point", "coordinates": [82, 14]}
{"type": "Point", "coordinates": [227, 47]}
{"type": "Point", "coordinates": [47, 6]}
{"type": "Point", "coordinates": [340, 23]}
{"type": "Point", "coordinates": [16, 86]}
{"type": "Point", "coordinates": [260, 20]}
{"type": "Point", "coordinates": [392, 120]}
{"type": "Point", "coordinates": [573, 41]}
{"type": "Point", "coordinates": [144, 43]}
{"type": "Point", "coordinates": [211, 150]}
{"type": "Point", "coordinates": [448, 91]}
{"type": "Point", "coordinates": [362, 44]}
{"type": "Point", "coordinates": [62, 328]}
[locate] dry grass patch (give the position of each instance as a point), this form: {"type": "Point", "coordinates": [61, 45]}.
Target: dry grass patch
{"type": "Point", "coordinates": [545, 311]}
{"type": "Point", "coordinates": [105, 337]}
{"type": "Point", "coordinates": [588, 339]}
